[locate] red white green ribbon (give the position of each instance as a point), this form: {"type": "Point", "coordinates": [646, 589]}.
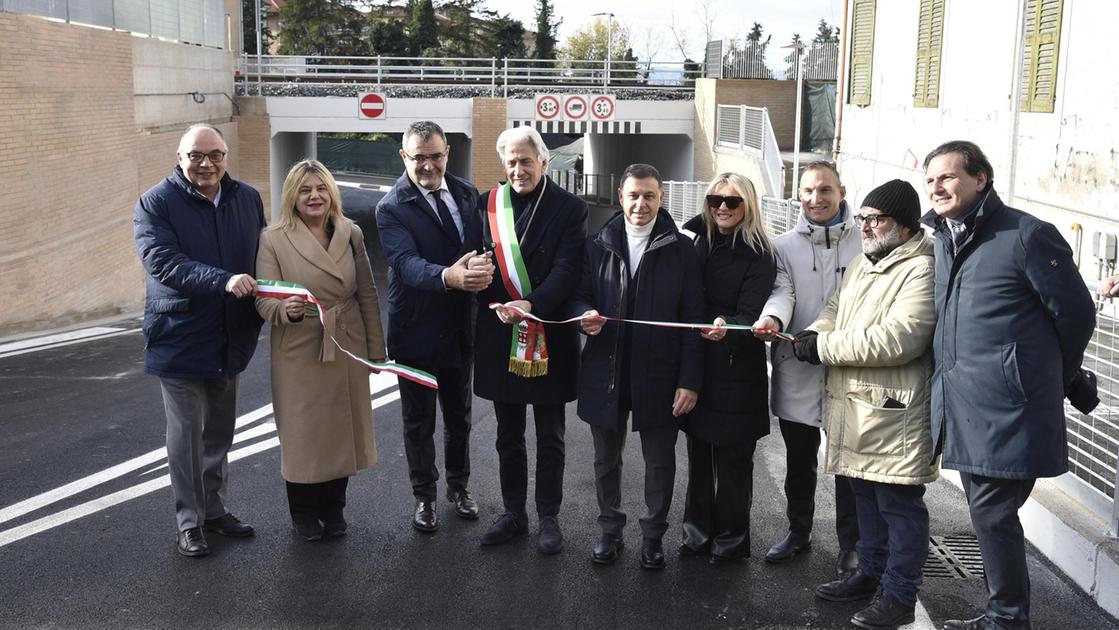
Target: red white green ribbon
{"type": "Point", "coordinates": [643, 322]}
{"type": "Point", "coordinates": [528, 354]}
{"type": "Point", "coordinates": [280, 290]}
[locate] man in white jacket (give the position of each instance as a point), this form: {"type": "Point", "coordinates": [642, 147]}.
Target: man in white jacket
{"type": "Point", "coordinates": [811, 259]}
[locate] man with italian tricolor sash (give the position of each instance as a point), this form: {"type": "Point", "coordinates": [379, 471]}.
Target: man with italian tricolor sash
{"type": "Point", "coordinates": [536, 231]}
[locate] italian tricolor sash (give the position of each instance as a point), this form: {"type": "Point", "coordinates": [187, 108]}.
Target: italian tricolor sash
{"type": "Point", "coordinates": [528, 355]}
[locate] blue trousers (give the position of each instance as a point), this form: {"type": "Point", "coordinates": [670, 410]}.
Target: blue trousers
{"type": "Point", "coordinates": [893, 535]}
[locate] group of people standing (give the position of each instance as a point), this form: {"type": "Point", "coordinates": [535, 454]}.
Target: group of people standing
{"type": "Point", "coordinates": [955, 345]}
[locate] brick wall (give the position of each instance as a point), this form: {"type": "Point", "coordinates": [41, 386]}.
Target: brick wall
{"type": "Point", "coordinates": [69, 165]}
{"type": "Point", "coordinates": [489, 121]}
{"type": "Point", "coordinates": [73, 160]}
{"type": "Point", "coordinates": [253, 165]}
{"type": "Point", "coordinates": [779, 97]}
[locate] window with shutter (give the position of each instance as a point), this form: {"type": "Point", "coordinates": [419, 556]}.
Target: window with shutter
{"type": "Point", "coordinates": [930, 30]}
{"type": "Point", "coordinates": [862, 52]}
{"type": "Point", "coordinates": [1039, 67]}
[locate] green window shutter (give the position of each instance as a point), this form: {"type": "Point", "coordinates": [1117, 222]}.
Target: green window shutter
{"type": "Point", "coordinates": [862, 52]}
{"type": "Point", "coordinates": [1039, 67]}
{"type": "Point", "coordinates": [930, 32]}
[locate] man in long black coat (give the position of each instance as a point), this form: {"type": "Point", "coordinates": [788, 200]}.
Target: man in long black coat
{"type": "Point", "coordinates": [549, 228]}
{"type": "Point", "coordinates": [639, 266]}
{"type": "Point", "coordinates": [1013, 320]}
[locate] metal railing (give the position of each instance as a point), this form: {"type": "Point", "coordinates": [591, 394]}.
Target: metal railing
{"type": "Point", "coordinates": [593, 187]}
{"type": "Point", "coordinates": [748, 129]}
{"type": "Point", "coordinates": [202, 22]}
{"type": "Point", "coordinates": [496, 74]}
{"type": "Point", "coordinates": [683, 200]}
{"type": "Point", "coordinates": [743, 60]}
{"type": "Point", "coordinates": [779, 215]}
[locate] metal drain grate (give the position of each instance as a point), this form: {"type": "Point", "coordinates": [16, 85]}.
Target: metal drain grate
{"type": "Point", "coordinates": [956, 557]}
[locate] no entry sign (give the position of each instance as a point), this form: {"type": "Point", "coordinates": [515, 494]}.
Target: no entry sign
{"type": "Point", "coordinates": [371, 105]}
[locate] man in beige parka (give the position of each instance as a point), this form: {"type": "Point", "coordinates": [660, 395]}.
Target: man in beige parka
{"type": "Point", "coordinates": [875, 337]}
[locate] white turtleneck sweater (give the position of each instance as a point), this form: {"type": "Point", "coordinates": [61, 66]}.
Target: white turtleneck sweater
{"type": "Point", "coordinates": [637, 237]}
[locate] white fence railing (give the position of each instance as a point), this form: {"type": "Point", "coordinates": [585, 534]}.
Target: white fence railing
{"type": "Point", "coordinates": [683, 200]}
{"type": "Point", "coordinates": [497, 74]}
{"type": "Point", "coordinates": [748, 129]}
{"type": "Point", "coordinates": [202, 22]}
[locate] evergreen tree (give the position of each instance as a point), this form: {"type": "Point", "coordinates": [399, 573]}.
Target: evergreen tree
{"type": "Point", "coordinates": [506, 38]}
{"type": "Point", "coordinates": [248, 26]}
{"type": "Point", "coordinates": [322, 27]}
{"type": "Point", "coordinates": [423, 30]}
{"type": "Point", "coordinates": [546, 28]}
{"type": "Point", "coordinates": [388, 38]}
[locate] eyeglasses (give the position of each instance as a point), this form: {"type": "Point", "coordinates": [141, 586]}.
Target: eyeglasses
{"type": "Point", "coordinates": [216, 157]}
{"type": "Point", "coordinates": [870, 219]}
{"type": "Point", "coordinates": [714, 201]}
{"type": "Point", "coordinates": [434, 158]}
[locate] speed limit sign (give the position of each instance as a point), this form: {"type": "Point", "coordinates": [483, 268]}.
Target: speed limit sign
{"type": "Point", "coordinates": [602, 107]}
{"type": "Point", "coordinates": [547, 107]}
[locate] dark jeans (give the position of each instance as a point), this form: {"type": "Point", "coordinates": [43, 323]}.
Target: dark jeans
{"type": "Point", "coordinates": [994, 505]}
{"type": "Point", "coordinates": [720, 491]}
{"type": "Point", "coordinates": [417, 405]}
{"type": "Point", "coordinates": [802, 444]}
{"type": "Point", "coordinates": [658, 449]}
{"type": "Point", "coordinates": [322, 501]}
{"type": "Point", "coordinates": [893, 535]}
{"type": "Point", "coordinates": [513, 456]}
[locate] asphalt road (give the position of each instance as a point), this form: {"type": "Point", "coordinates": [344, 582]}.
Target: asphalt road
{"type": "Point", "coordinates": [87, 528]}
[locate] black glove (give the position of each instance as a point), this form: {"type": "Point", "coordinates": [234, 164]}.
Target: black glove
{"type": "Point", "coordinates": [804, 347]}
{"type": "Point", "coordinates": [1082, 391]}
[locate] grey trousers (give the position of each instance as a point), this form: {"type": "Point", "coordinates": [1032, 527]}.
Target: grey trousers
{"type": "Point", "coordinates": [658, 449]}
{"type": "Point", "coordinates": [201, 415]}
{"type": "Point", "coordinates": [994, 505]}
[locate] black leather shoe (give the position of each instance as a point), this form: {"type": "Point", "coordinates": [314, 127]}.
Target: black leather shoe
{"type": "Point", "coordinates": [424, 519]}
{"type": "Point", "coordinates": [846, 563]}
{"type": "Point", "coordinates": [549, 540]}
{"type": "Point", "coordinates": [465, 507]}
{"type": "Point", "coordinates": [308, 527]}
{"type": "Point", "coordinates": [192, 544]}
{"type": "Point", "coordinates": [607, 549]}
{"type": "Point", "coordinates": [505, 528]}
{"type": "Point", "coordinates": [790, 545]}
{"type": "Point", "coordinates": [979, 623]}
{"type": "Point", "coordinates": [229, 525]}
{"type": "Point", "coordinates": [652, 554]}
{"type": "Point", "coordinates": [884, 613]}
{"type": "Point", "coordinates": [850, 589]}
{"type": "Point", "coordinates": [335, 528]}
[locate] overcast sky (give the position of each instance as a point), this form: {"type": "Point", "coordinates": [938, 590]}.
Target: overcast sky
{"type": "Point", "coordinates": [651, 20]}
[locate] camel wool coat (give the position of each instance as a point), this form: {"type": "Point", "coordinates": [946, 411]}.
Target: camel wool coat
{"type": "Point", "coordinates": [320, 396]}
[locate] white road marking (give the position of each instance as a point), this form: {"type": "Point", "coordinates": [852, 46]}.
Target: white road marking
{"type": "Point", "coordinates": [921, 620]}
{"type": "Point", "coordinates": [49, 339]}
{"type": "Point", "coordinates": [377, 384]}
{"type": "Point", "coordinates": [70, 342]}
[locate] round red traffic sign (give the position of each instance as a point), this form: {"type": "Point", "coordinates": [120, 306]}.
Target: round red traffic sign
{"type": "Point", "coordinates": [602, 107]}
{"type": "Point", "coordinates": [372, 105]}
{"type": "Point", "coordinates": [547, 107]}
{"type": "Point", "coordinates": [575, 107]}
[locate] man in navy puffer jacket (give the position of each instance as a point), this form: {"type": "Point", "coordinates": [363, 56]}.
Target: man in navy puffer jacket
{"type": "Point", "coordinates": [196, 234]}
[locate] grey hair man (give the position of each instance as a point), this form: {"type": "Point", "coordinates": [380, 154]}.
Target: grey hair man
{"type": "Point", "coordinates": [196, 234]}
{"type": "Point", "coordinates": [549, 230]}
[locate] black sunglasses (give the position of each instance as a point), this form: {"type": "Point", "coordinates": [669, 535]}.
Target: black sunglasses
{"type": "Point", "coordinates": [714, 201]}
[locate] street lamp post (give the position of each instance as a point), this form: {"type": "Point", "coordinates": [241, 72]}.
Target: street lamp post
{"type": "Point", "coordinates": [609, 43]}
{"type": "Point", "coordinates": [797, 47]}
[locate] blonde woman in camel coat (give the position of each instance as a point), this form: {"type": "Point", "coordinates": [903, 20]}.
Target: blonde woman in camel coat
{"type": "Point", "coordinates": [320, 396]}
